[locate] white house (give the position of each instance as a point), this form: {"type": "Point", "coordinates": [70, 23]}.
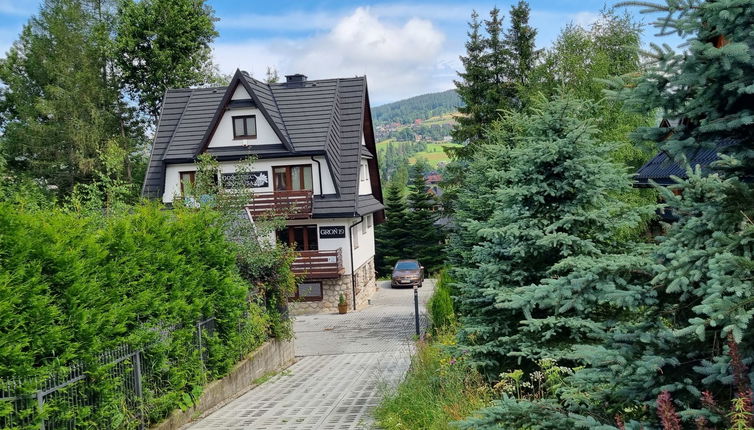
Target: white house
{"type": "Point", "coordinates": [314, 146]}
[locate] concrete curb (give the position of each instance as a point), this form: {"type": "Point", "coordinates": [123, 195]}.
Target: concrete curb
{"type": "Point", "coordinates": [271, 357]}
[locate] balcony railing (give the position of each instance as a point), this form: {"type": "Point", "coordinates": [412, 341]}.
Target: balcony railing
{"type": "Point", "coordinates": [296, 204]}
{"type": "Point", "coordinates": [319, 264]}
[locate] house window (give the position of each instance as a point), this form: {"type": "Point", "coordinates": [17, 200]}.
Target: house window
{"type": "Point", "coordinates": [364, 172]}
{"type": "Point", "coordinates": [355, 237]}
{"type": "Point", "coordinates": [308, 292]}
{"type": "Point", "coordinates": [245, 127]}
{"type": "Point", "coordinates": [188, 180]}
{"type": "Point", "coordinates": [286, 178]}
{"type": "Point", "coordinates": [364, 227]}
{"type": "Point", "coordinates": [300, 237]}
{"type": "Point", "coordinates": [369, 221]}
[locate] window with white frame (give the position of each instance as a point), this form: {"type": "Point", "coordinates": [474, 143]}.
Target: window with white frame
{"type": "Point", "coordinates": [364, 227]}
{"type": "Point", "coordinates": [355, 237]}
{"type": "Point", "coordinates": [369, 221]}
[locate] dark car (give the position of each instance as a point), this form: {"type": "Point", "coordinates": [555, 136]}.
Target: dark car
{"type": "Point", "coordinates": [407, 273]}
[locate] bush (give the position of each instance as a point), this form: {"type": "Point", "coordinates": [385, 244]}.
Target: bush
{"type": "Point", "coordinates": [439, 388]}
{"type": "Point", "coordinates": [440, 305]}
{"type": "Point", "coordinates": [73, 285]}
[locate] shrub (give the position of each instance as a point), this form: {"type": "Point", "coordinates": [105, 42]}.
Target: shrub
{"type": "Point", "coordinates": [440, 305]}
{"type": "Point", "coordinates": [73, 285]}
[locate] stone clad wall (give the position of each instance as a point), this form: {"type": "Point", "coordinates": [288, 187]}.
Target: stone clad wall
{"type": "Point", "coordinates": [366, 285]}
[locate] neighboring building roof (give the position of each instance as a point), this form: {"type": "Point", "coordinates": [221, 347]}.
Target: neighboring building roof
{"type": "Point", "coordinates": [318, 117]}
{"type": "Point", "coordinates": [660, 168]}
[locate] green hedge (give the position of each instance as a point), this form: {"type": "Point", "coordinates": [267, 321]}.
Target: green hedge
{"type": "Point", "coordinates": [73, 286]}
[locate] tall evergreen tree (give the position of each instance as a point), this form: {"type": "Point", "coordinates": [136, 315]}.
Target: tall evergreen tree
{"type": "Point", "coordinates": [391, 237]}
{"type": "Point", "coordinates": [520, 39]}
{"type": "Point", "coordinates": [472, 86]}
{"type": "Point", "coordinates": [550, 200]}
{"type": "Point", "coordinates": [425, 238]}
{"type": "Point", "coordinates": [707, 88]}
{"type": "Point", "coordinates": [60, 104]}
{"type": "Point", "coordinates": [699, 288]}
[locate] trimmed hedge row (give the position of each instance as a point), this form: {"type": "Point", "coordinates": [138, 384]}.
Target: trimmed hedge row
{"type": "Point", "coordinates": [73, 286]}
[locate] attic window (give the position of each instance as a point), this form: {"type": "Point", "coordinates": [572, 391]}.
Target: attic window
{"type": "Point", "coordinates": [245, 127]}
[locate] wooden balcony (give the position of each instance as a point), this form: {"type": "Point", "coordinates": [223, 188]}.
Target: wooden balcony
{"type": "Point", "coordinates": [289, 204]}
{"type": "Point", "coordinates": [319, 264]}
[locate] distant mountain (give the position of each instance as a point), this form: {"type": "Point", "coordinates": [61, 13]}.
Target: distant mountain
{"type": "Point", "coordinates": [419, 107]}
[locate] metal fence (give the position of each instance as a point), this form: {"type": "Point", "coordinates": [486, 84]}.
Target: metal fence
{"type": "Point", "coordinates": [70, 400]}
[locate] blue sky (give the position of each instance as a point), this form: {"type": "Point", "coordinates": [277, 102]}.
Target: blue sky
{"type": "Point", "coordinates": [404, 48]}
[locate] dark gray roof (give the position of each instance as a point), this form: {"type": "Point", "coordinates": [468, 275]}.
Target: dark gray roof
{"type": "Point", "coordinates": [319, 117]}
{"type": "Point", "coordinates": [660, 168]}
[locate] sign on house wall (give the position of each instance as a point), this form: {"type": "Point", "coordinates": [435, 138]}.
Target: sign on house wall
{"type": "Point", "coordinates": [260, 179]}
{"type": "Point", "coordinates": [332, 232]}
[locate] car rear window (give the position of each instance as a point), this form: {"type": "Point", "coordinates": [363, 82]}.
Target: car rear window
{"type": "Point", "coordinates": [407, 265]}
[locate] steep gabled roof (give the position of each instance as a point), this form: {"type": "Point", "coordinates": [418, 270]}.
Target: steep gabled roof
{"type": "Point", "coordinates": [318, 117]}
{"type": "Point", "coordinates": [263, 100]}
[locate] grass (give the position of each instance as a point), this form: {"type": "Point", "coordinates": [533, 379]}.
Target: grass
{"type": "Point", "coordinates": [434, 153]}
{"type": "Point", "coordinates": [439, 389]}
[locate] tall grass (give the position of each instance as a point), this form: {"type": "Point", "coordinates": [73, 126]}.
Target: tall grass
{"type": "Point", "coordinates": [439, 388]}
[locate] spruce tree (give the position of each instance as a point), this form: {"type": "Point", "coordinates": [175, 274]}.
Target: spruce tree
{"type": "Point", "coordinates": [425, 237]}
{"type": "Point", "coordinates": [551, 200]}
{"type": "Point", "coordinates": [522, 52]}
{"type": "Point", "coordinates": [707, 87]}
{"type": "Point", "coordinates": [391, 237]}
{"type": "Point", "coordinates": [472, 86]}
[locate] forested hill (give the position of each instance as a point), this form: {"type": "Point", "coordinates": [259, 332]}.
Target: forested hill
{"type": "Point", "coordinates": [419, 107]}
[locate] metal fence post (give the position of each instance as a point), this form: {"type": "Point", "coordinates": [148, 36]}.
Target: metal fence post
{"type": "Point", "coordinates": [40, 404]}
{"type": "Point", "coordinates": [137, 387]}
{"type": "Point", "coordinates": [199, 337]}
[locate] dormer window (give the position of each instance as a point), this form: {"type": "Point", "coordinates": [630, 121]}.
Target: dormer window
{"type": "Point", "coordinates": [245, 127]}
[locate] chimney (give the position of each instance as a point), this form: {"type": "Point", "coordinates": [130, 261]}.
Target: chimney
{"type": "Point", "coordinates": [295, 80]}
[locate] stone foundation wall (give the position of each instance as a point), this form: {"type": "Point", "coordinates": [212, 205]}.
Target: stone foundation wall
{"type": "Point", "coordinates": [366, 285]}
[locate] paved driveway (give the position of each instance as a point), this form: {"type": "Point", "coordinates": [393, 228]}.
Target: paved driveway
{"type": "Point", "coordinates": [345, 364]}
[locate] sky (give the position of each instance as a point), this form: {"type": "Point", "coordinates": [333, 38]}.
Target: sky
{"type": "Point", "coordinates": [404, 48]}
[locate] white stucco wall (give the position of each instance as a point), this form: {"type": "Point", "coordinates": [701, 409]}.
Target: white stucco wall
{"type": "Point", "coordinates": [361, 255]}
{"type": "Point", "coordinates": [224, 133]}
{"type": "Point", "coordinates": [172, 174]}
{"type": "Point", "coordinates": [365, 251]}
{"type": "Point", "coordinates": [240, 93]}
{"type": "Point", "coordinates": [365, 186]}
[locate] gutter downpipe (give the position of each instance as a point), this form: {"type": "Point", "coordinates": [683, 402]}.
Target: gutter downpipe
{"type": "Point", "coordinates": [319, 176]}
{"type": "Point", "coordinates": [353, 278]}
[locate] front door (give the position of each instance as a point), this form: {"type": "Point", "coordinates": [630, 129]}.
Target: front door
{"type": "Point", "coordinates": [302, 237]}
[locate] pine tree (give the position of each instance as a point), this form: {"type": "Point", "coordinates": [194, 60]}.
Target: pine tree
{"type": "Point", "coordinates": [425, 238]}
{"type": "Point", "coordinates": [391, 237]}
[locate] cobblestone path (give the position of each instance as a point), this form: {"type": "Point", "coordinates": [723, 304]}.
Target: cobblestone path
{"type": "Point", "coordinates": [345, 364]}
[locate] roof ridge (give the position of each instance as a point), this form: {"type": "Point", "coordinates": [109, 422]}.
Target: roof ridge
{"type": "Point", "coordinates": [285, 126]}
{"type": "Point", "coordinates": [180, 121]}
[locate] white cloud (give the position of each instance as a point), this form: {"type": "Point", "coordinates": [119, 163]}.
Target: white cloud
{"type": "Point", "coordinates": [399, 60]}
